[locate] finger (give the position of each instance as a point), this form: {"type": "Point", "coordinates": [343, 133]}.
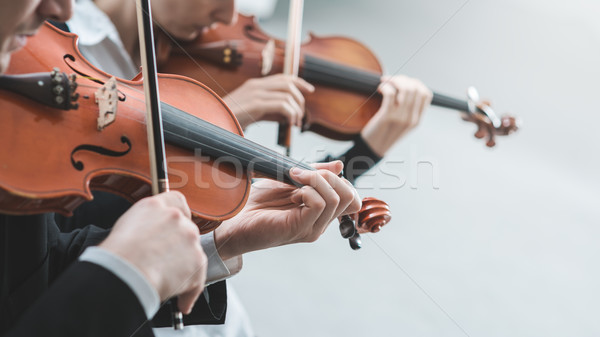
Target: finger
{"type": "Point", "coordinates": [402, 85]}
{"type": "Point", "coordinates": [298, 99]}
{"type": "Point", "coordinates": [303, 86]}
{"type": "Point", "coordinates": [356, 203]}
{"type": "Point", "coordinates": [335, 167]}
{"type": "Point", "coordinates": [313, 206]}
{"type": "Point", "coordinates": [410, 106]}
{"type": "Point", "coordinates": [283, 109]}
{"type": "Point", "coordinates": [314, 202]}
{"type": "Point", "coordinates": [295, 108]}
{"type": "Point", "coordinates": [388, 94]}
{"type": "Point", "coordinates": [417, 108]}
{"type": "Point", "coordinates": [408, 99]}
{"type": "Point", "coordinates": [287, 84]}
{"type": "Point", "coordinates": [344, 191]}
{"type": "Point", "coordinates": [176, 199]}
{"type": "Point", "coordinates": [404, 105]}
{"type": "Point", "coordinates": [316, 180]}
{"type": "Point", "coordinates": [185, 301]}
{"type": "Point", "coordinates": [426, 96]}
{"type": "Point", "coordinates": [387, 89]}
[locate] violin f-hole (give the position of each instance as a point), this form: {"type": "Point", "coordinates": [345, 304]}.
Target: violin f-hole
{"type": "Point", "coordinates": [78, 165]}
{"type": "Point", "coordinates": [67, 58]}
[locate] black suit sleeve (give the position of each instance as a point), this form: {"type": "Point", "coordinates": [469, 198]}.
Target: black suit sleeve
{"type": "Point", "coordinates": [210, 307]}
{"type": "Point", "coordinates": [85, 301]}
{"type": "Point", "coordinates": [357, 160]}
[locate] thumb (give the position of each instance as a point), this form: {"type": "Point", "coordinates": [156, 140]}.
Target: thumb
{"type": "Point", "coordinates": [186, 300]}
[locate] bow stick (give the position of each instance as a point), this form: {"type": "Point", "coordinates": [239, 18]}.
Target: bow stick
{"type": "Point", "coordinates": [156, 144]}
{"type": "Point", "coordinates": [291, 62]}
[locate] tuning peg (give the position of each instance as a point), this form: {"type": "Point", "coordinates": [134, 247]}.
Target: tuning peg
{"type": "Point", "coordinates": [73, 82]}
{"type": "Point", "coordinates": [347, 228]}
{"type": "Point", "coordinates": [56, 76]}
{"type": "Point", "coordinates": [355, 241]}
{"type": "Point", "coordinates": [473, 94]}
{"type": "Point", "coordinates": [58, 90]}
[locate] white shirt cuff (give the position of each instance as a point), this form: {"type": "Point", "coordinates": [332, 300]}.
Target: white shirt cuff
{"type": "Point", "coordinates": [218, 269]}
{"type": "Point", "coordinates": [128, 273]}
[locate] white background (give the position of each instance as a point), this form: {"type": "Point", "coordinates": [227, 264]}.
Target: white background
{"type": "Point", "coordinates": [508, 245]}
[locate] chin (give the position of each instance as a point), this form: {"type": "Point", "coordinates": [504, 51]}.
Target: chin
{"type": "Point", "coordinates": [4, 61]}
{"type": "Point", "coordinates": [186, 35]}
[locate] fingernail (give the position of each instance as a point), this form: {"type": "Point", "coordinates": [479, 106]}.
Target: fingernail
{"type": "Point", "coordinates": [296, 171]}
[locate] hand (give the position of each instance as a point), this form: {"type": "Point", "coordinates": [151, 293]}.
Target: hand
{"type": "Point", "coordinates": [158, 237]}
{"type": "Point", "coordinates": [278, 214]}
{"type": "Point", "coordinates": [404, 100]}
{"type": "Point", "coordinates": [277, 98]}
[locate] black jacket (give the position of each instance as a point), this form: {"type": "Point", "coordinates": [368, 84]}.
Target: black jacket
{"type": "Point", "coordinates": [103, 212]}
{"type": "Point", "coordinates": [45, 291]}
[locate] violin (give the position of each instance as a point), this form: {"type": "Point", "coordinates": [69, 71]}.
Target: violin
{"type": "Point", "coordinates": [345, 73]}
{"type": "Point", "coordinates": [96, 126]}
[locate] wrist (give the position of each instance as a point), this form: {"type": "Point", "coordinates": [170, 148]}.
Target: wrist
{"type": "Point", "coordinates": [225, 242]}
{"type": "Point", "coordinates": [383, 134]}
{"type": "Point", "coordinates": [154, 278]}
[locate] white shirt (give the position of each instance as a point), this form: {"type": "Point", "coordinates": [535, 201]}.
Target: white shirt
{"type": "Point", "coordinates": [99, 40]}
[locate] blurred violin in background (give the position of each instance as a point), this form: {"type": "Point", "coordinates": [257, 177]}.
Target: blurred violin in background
{"type": "Point", "coordinates": [346, 75]}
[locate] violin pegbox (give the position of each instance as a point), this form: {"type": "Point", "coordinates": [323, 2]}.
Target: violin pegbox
{"type": "Point", "coordinates": [489, 125]}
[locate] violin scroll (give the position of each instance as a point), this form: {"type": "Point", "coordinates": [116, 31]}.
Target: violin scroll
{"type": "Point", "coordinates": [489, 125]}
{"type": "Point", "coordinates": [373, 215]}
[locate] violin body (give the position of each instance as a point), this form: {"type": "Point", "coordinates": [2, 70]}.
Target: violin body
{"type": "Point", "coordinates": [226, 56]}
{"type": "Point", "coordinates": [42, 143]}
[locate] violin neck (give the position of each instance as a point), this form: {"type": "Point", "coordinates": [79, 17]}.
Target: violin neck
{"type": "Point", "coordinates": [324, 72]}
{"type": "Point", "coordinates": [449, 102]}
{"type": "Point", "coordinates": [205, 139]}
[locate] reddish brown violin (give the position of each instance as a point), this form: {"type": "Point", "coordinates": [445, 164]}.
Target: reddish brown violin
{"type": "Point", "coordinates": [96, 127]}
{"type": "Point", "coordinates": [345, 73]}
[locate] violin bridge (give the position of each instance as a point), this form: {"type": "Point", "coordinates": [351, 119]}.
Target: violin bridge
{"type": "Point", "coordinates": [107, 97]}
{"type": "Point", "coordinates": [268, 55]}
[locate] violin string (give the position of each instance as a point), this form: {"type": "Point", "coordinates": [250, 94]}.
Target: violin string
{"type": "Point", "coordinates": [205, 126]}
{"type": "Point", "coordinates": [257, 148]}
{"type": "Point", "coordinates": [362, 81]}
{"type": "Point", "coordinates": [342, 74]}
{"type": "Point", "coordinates": [326, 72]}
{"type": "Point", "coordinates": [218, 131]}
{"type": "Point", "coordinates": [449, 102]}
